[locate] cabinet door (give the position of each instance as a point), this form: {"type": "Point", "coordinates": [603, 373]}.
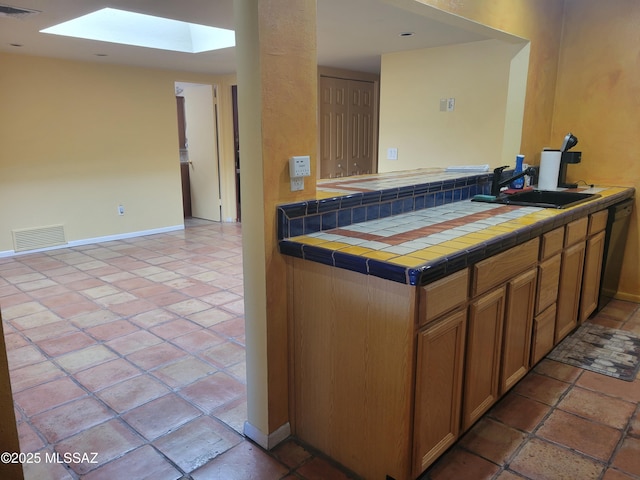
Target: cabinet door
{"type": "Point", "coordinates": [438, 395]}
{"type": "Point", "coordinates": [543, 329]}
{"type": "Point", "coordinates": [569, 291]}
{"type": "Point", "coordinates": [518, 320]}
{"type": "Point", "coordinates": [591, 277]}
{"type": "Point", "coordinates": [484, 342]}
{"type": "Point", "coordinates": [548, 282]}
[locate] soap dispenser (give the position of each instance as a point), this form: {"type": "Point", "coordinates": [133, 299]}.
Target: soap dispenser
{"type": "Point", "coordinates": [518, 183]}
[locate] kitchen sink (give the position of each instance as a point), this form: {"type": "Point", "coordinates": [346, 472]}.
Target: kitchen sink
{"type": "Point", "coordinates": [547, 198]}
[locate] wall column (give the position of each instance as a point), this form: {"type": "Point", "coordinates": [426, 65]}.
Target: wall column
{"type": "Point", "coordinates": [277, 102]}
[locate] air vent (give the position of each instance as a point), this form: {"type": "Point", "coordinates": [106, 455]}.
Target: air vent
{"type": "Point", "coordinates": [39, 237]}
{"type": "Point", "coordinates": [7, 11]}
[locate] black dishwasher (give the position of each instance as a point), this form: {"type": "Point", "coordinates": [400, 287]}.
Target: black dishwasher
{"type": "Point", "coordinates": [614, 243]}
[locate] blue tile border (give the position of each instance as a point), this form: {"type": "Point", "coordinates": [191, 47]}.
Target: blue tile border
{"type": "Point", "coordinates": [300, 218]}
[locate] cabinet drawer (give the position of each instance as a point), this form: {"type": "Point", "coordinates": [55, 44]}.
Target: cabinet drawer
{"type": "Point", "coordinates": [552, 243]}
{"type": "Point", "coordinates": [576, 231]}
{"type": "Point", "coordinates": [444, 295]}
{"type": "Point", "coordinates": [497, 269]}
{"type": "Point", "coordinates": [597, 222]}
{"type": "Point", "coordinates": [543, 334]}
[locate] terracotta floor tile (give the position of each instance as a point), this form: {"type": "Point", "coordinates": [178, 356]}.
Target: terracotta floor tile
{"type": "Point", "coordinates": [21, 310]}
{"type": "Point", "coordinates": [457, 464]}
{"type": "Point", "coordinates": [539, 460]}
{"type": "Point", "coordinates": [142, 463]}
{"type": "Point", "coordinates": [29, 439]}
{"type": "Point", "coordinates": [174, 328]}
{"type": "Point", "coordinates": [600, 408]}
{"type": "Point", "coordinates": [35, 320]}
{"type": "Point", "coordinates": [161, 416]}
{"type": "Point", "coordinates": [213, 391]}
{"type": "Point", "coordinates": [92, 319]}
{"type": "Point", "coordinates": [507, 475]}
{"type": "Point", "coordinates": [152, 318]}
{"type": "Point", "coordinates": [613, 474]}
{"type": "Point", "coordinates": [85, 358]}
{"type": "Point", "coordinates": [35, 374]}
{"type": "Point", "coordinates": [132, 307]}
{"type": "Point", "coordinates": [583, 436]}
{"type": "Point", "coordinates": [196, 443]}
{"type": "Point", "coordinates": [132, 393]}
{"type": "Point", "coordinates": [221, 298]}
{"type": "Point", "coordinates": [13, 340]}
{"type": "Point", "coordinates": [541, 388]}
{"type": "Point", "coordinates": [210, 317]}
{"type": "Point", "coordinates": [291, 453]}
{"type": "Point", "coordinates": [634, 426]}
{"type": "Point", "coordinates": [65, 344]}
{"type": "Point", "coordinates": [492, 440]}
{"type": "Point", "coordinates": [57, 300]}
{"type": "Point", "coordinates": [559, 371]}
{"type": "Point", "coordinates": [133, 342]}
{"type": "Point", "coordinates": [199, 340]}
{"type": "Point", "coordinates": [109, 440]}
{"type": "Point", "coordinates": [224, 354]}
{"type": "Point", "coordinates": [233, 413]}
{"type": "Point", "coordinates": [244, 461]}
{"type": "Point", "coordinates": [48, 395]}
{"type": "Point", "coordinates": [519, 412]}
{"type": "Point", "coordinates": [46, 470]}
{"type": "Point", "coordinates": [629, 391]}
{"type": "Point", "coordinates": [73, 310]}
{"type": "Point", "coordinates": [168, 297]}
{"type": "Point", "coordinates": [23, 356]}
{"type": "Point", "coordinates": [619, 309]}
{"type": "Point", "coordinates": [70, 419]}
{"type": "Point", "coordinates": [230, 328]}
{"type": "Point", "coordinates": [50, 331]}
{"type": "Point", "coordinates": [107, 374]}
{"type": "Point", "coordinates": [155, 356]}
{"type": "Point", "coordinates": [183, 372]}
{"type": "Point", "coordinates": [627, 458]}
{"type": "Point", "coordinates": [114, 329]}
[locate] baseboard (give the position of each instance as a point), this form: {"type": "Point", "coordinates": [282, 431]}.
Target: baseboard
{"type": "Point", "coordinates": [89, 241]}
{"type": "Point", "coordinates": [627, 297]}
{"type": "Point", "coordinates": [267, 441]}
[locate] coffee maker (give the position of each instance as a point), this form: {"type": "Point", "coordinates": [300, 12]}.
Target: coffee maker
{"type": "Point", "coordinates": [567, 157]}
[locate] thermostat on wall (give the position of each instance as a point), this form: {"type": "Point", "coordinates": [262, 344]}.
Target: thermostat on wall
{"type": "Point", "coordinates": [300, 166]}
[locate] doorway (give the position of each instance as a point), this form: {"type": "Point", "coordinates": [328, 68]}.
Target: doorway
{"type": "Point", "coordinates": [199, 150]}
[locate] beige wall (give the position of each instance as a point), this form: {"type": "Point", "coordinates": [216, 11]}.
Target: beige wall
{"type": "Point", "coordinates": [487, 79]}
{"type": "Point", "coordinates": [80, 138]}
{"type": "Point", "coordinates": [598, 99]}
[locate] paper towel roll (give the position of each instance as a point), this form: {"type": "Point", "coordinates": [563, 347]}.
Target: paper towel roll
{"type": "Point", "coordinates": [549, 169]}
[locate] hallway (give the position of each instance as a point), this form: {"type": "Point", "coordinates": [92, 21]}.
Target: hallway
{"type": "Point", "coordinates": [134, 349]}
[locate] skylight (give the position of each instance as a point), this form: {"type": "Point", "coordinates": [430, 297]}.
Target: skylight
{"type": "Point", "coordinates": [128, 28]}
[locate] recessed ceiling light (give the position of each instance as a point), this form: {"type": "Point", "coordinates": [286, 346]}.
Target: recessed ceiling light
{"type": "Point", "coordinates": [128, 28]}
{"type": "Point", "coordinates": [406, 34]}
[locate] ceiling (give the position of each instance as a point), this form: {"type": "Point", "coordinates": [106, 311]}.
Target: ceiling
{"type": "Point", "coordinates": [352, 34]}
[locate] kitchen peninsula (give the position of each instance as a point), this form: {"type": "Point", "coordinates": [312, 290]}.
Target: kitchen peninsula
{"type": "Point", "coordinates": [414, 309]}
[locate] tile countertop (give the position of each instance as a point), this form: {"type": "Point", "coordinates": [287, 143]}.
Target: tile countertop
{"type": "Point", "coordinates": [420, 246]}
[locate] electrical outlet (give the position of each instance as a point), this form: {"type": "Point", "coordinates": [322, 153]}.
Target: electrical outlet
{"type": "Point", "coordinates": [297, 183]}
{"type": "Point", "coordinates": [392, 153]}
{"type": "Point", "coordinates": [120, 209]}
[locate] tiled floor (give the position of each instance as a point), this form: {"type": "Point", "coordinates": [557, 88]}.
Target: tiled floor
{"type": "Point", "coordinates": [135, 349]}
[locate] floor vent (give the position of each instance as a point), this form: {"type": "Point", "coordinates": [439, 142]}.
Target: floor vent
{"type": "Point", "coordinates": [39, 237]}
{"type": "Point", "coordinates": [15, 12]}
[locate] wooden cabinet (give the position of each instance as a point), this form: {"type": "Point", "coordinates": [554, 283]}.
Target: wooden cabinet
{"type": "Point", "coordinates": [593, 264]}
{"type": "Point", "coordinates": [569, 291]}
{"type": "Point", "coordinates": [387, 376]}
{"type": "Point", "coordinates": [518, 320]}
{"type": "Point", "coordinates": [482, 365]}
{"type": "Point", "coordinates": [438, 397]}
